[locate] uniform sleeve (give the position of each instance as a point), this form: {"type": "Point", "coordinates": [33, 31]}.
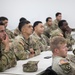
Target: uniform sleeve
{"type": "Point", "coordinates": [65, 66]}
{"type": "Point", "coordinates": [12, 58]}
{"type": "Point", "coordinates": [56, 33]}
{"type": "Point", "coordinates": [47, 40]}
{"type": "Point", "coordinates": [70, 41]}
{"type": "Point", "coordinates": [3, 64]}
{"type": "Point", "coordinates": [69, 38]}
{"type": "Point", "coordinates": [16, 32]}
{"type": "Point", "coordinates": [36, 47]}
{"type": "Point", "coordinates": [71, 58]}
{"type": "Point", "coordinates": [47, 32]}
{"type": "Point", "coordinates": [54, 25]}
{"type": "Point", "coordinates": [10, 34]}
{"type": "Point", "coordinates": [19, 50]}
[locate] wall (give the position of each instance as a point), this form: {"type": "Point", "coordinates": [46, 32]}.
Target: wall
{"type": "Point", "coordinates": [36, 10]}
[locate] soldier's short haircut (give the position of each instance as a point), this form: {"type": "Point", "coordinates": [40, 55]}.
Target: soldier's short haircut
{"type": "Point", "coordinates": [48, 19]}
{"type": "Point", "coordinates": [60, 24]}
{"type": "Point", "coordinates": [1, 23]}
{"type": "Point", "coordinates": [22, 19]}
{"type": "Point", "coordinates": [58, 13]}
{"type": "Point", "coordinates": [21, 24]}
{"type": "Point", "coordinates": [56, 42]}
{"type": "Point", "coordinates": [36, 23]}
{"type": "Point", "coordinates": [3, 18]}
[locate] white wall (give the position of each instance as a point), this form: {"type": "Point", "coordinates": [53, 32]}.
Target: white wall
{"type": "Point", "coordinates": [37, 10]}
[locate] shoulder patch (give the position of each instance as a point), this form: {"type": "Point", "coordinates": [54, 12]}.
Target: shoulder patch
{"type": "Point", "coordinates": [63, 61]}
{"type": "Point", "coordinates": [65, 66]}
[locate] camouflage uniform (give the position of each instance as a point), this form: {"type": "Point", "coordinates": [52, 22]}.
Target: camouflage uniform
{"type": "Point", "coordinates": [7, 59]}
{"type": "Point", "coordinates": [64, 66]}
{"type": "Point", "coordinates": [55, 24]}
{"type": "Point", "coordinates": [10, 35]}
{"type": "Point", "coordinates": [47, 40]}
{"type": "Point", "coordinates": [70, 40]}
{"type": "Point", "coordinates": [22, 47]}
{"type": "Point", "coordinates": [67, 36]}
{"type": "Point", "coordinates": [56, 32]}
{"type": "Point", "coordinates": [16, 32]}
{"type": "Point", "coordinates": [48, 30]}
{"type": "Point", "coordinates": [40, 41]}
{"type": "Point", "coordinates": [47, 33]}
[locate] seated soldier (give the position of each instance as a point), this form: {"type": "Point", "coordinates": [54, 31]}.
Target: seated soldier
{"type": "Point", "coordinates": [38, 36]}
{"type": "Point", "coordinates": [58, 16]}
{"type": "Point", "coordinates": [65, 30]}
{"type": "Point", "coordinates": [48, 27]}
{"type": "Point", "coordinates": [7, 57]}
{"type": "Point", "coordinates": [16, 31]}
{"type": "Point", "coordinates": [62, 63]}
{"type": "Point", "coordinates": [9, 33]}
{"type": "Point", "coordinates": [24, 47]}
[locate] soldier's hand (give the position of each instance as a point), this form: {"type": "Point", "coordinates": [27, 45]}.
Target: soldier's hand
{"type": "Point", "coordinates": [31, 50]}
{"type": "Point", "coordinates": [5, 41]}
{"type": "Point", "coordinates": [31, 55]}
{"type": "Point", "coordinates": [60, 34]}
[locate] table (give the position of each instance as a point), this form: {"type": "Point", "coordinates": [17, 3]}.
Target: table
{"type": "Point", "coordinates": [42, 65]}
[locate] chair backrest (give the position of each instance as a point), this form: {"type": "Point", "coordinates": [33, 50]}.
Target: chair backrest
{"type": "Point", "coordinates": [49, 71]}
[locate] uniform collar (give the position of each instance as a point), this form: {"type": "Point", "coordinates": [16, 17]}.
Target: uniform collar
{"type": "Point", "coordinates": [56, 56]}
{"type": "Point", "coordinates": [56, 21]}
{"type": "Point", "coordinates": [34, 33]}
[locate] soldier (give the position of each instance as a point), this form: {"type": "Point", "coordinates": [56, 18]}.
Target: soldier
{"type": "Point", "coordinates": [24, 47]}
{"type": "Point", "coordinates": [7, 57]}
{"type": "Point", "coordinates": [48, 27]}
{"type": "Point", "coordinates": [56, 21]}
{"type": "Point", "coordinates": [9, 33]}
{"type": "Point", "coordinates": [16, 31]}
{"type": "Point", "coordinates": [62, 63]}
{"type": "Point", "coordinates": [65, 30]}
{"type": "Point", "coordinates": [38, 36]}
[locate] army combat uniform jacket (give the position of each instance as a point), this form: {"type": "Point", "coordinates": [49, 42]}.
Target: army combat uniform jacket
{"type": "Point", "coordinates": [17, 32]}
{"type": "Point", "coordinates": [22, 47]}
{"type": "Point", "coordinates": [55, 24]}
{"type": "Point", "coordinates": [7, 59]}
{"type": "Point", "coordinates": [40, 41]}
{"type": "Point", "coordinates": [64, 66]}
{"type": "Point", "coordinates": [48, 30]}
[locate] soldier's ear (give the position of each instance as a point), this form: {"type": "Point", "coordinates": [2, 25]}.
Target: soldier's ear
{"type": "Point", "coordinates": [35, 28]}
{"type": "Point", "coordinates": [23, 29]}
{"type": "Point", "coordinates": [56, 50]}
